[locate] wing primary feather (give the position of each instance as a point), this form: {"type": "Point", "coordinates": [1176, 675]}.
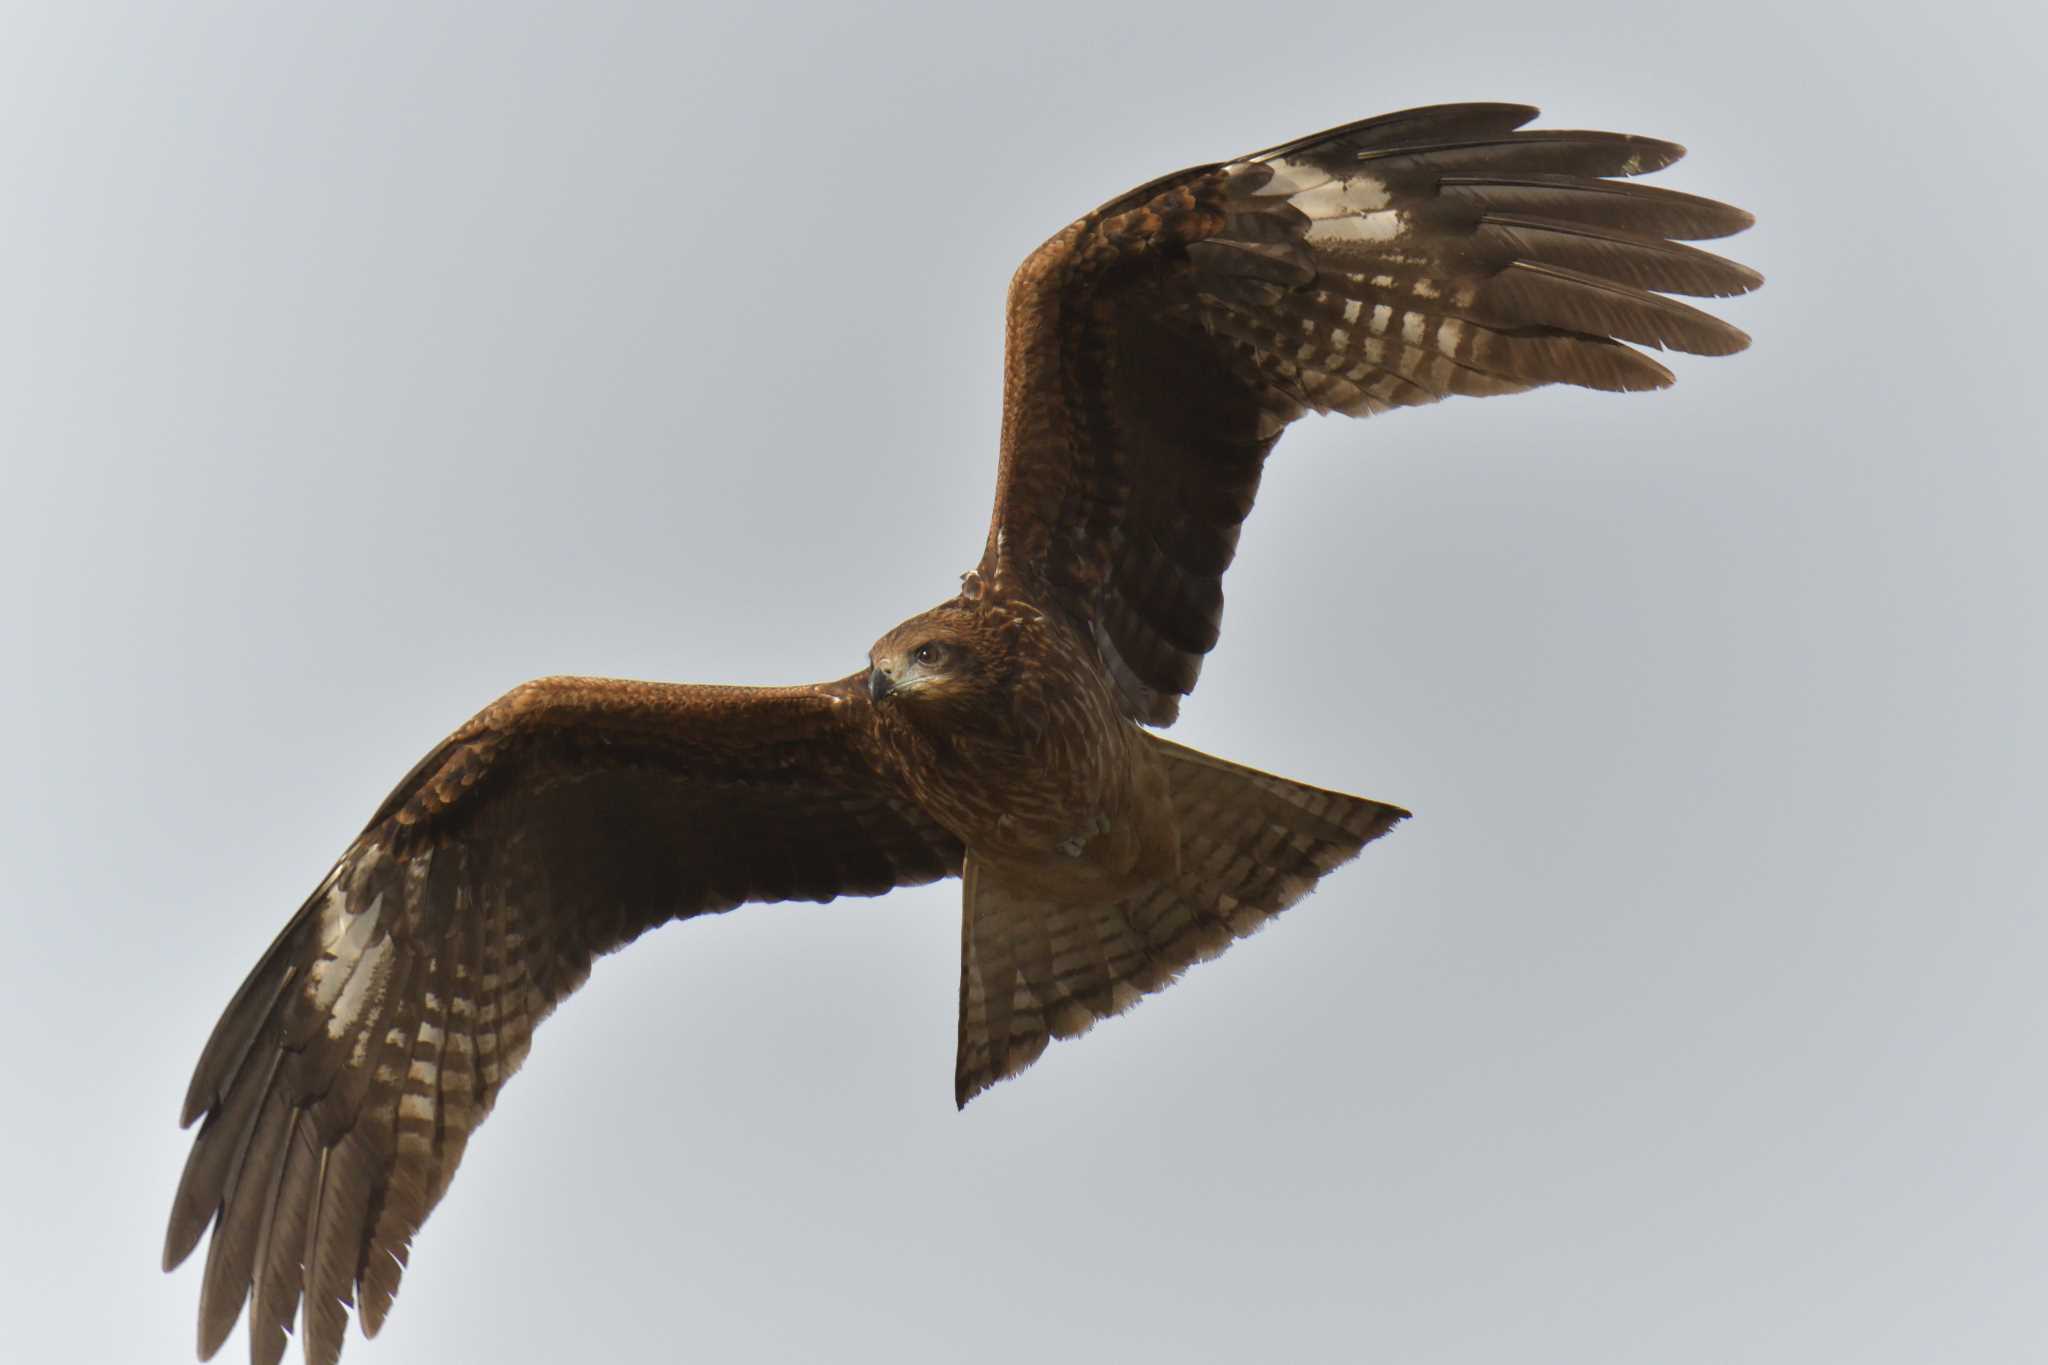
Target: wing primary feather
{"type": "Point", "coordinates": [333, 1238]}
{"type": "Point", "coordinates": [1616, 254]}
{"type": "Point", "coordinates": [1328, 148]}
{"type": "Point", "coordinates": [210, 1167]}
{"type": "Point", "coordinates": [1649, 209]}
{"type": "Point", "coordinates": [231, 1255]}
{"type": "Point", "coordinates": [228, 1047]}
{"type": "Point", "coordinates": [274, 1301]}
{"type": "Point", "coordinates": [1530, 293]}
{"type": "Point", "coordinates": [1565, 151]}
{"type": "Point", "coordinates": [308, 1323]}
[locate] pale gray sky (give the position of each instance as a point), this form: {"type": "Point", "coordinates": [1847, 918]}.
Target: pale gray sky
{"type": "Point", "coordinates": [357, 362]}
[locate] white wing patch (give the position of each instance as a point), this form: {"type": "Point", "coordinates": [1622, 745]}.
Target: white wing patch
{"type": "Point", "coordinates": [1323, 196]}
{"type": "Point", "coordinates": [1342, 198]}
{"type": "Point", "coordinates": [1373, 228]}
{"type": "Point", "coordinates": [360, 996]}
{"type": "Point", "coordinates": [1292, 177]}
{"type": "Point", "coordinates": [348, 981]}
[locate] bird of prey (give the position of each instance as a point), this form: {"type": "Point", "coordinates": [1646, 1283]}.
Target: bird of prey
{"type": "Point", "coordinates": [1155, 351]}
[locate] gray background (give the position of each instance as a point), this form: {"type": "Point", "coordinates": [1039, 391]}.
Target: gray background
{"type": "Point", "coordinates": [357, 362]}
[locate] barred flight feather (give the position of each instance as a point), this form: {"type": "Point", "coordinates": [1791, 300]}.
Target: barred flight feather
{"type": "Point", "coordinates": [348, 1073]}
{"type": "Point", "coordinates": [1389, 263]}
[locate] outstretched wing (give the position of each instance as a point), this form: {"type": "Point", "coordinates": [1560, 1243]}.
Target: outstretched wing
{"type": "Point", "coordinates": [1157, 347]}
{"type": "Point", "coordinates": [341, 1085]}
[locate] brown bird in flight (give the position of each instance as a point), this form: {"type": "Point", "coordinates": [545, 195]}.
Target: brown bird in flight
{"type": "Point", "coordinates": [1156, 349]}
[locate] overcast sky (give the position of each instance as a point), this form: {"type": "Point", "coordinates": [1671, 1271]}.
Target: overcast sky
{"type": "Point", "coordinates": [358, 362]}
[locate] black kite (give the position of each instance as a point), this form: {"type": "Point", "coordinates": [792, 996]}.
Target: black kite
{"type": "Point", "coordinates": [1157, 348]}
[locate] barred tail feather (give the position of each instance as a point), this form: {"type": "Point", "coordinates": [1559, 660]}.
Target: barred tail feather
{"type": "Point", "coordinates": [1034, 969]}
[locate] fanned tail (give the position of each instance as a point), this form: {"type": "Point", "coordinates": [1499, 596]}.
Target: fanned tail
{"type": "Point", "coordinates": [1034, 969]}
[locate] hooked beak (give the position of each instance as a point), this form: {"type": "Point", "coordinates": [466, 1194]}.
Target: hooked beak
{"type": "Point", "coordinates": [879, 684]}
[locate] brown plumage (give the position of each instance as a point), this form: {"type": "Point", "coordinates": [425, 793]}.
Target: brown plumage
{"type": "Point", "coordinates": [1156, 350]}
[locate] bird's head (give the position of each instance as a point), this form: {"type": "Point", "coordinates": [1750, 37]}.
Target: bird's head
{"type": "Point", "coordinates": [936, 661]}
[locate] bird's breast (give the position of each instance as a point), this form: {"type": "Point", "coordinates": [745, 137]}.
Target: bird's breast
{"type": "Point", "coordinates": [1057, 783]}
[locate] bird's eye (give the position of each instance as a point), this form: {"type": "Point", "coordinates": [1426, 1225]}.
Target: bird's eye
{"type": "Point", "coordinates": [927, 654]}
